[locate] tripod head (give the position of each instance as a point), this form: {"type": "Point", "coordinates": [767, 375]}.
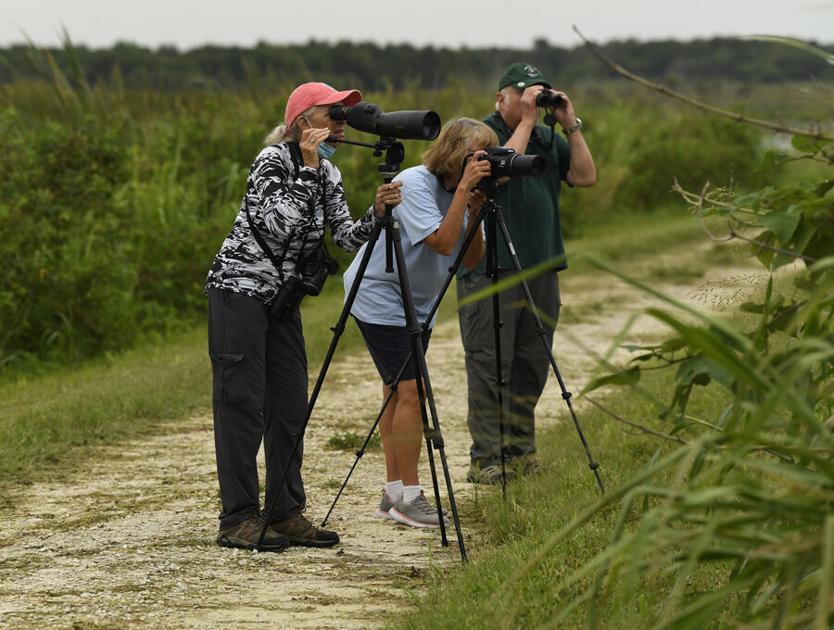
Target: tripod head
{"type": "Point", "coordinates": [488, 186]}
{"type": "Point", "coordinates": [394, 156]}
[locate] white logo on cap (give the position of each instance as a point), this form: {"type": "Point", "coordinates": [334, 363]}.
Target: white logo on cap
{"type": "Point", "coordinates": [531, 70]}
{"type": "Point", "coordinates": [521, 84]}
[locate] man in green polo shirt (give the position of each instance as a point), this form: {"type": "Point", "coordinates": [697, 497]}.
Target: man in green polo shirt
{"type": "Point", "coordinates": [530, 206]}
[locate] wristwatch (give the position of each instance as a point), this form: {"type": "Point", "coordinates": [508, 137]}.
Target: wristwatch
{"type": "Point", "coordinates": [576, 127]}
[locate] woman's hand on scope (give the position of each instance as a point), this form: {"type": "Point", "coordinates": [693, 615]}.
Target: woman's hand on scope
{"type": "Point", "coordinates": [476, 169]}
{"type": "Point", "coordinates": [311, 138]}
{"type": "Point", "coordinates": [387, 194]}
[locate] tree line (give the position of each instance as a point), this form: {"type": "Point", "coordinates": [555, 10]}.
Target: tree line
{"type": "Point", "coordinates": [396, 66]}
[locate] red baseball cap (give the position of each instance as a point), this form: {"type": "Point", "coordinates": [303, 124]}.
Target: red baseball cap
{"type": "Point", "coordinates": [308, 95]}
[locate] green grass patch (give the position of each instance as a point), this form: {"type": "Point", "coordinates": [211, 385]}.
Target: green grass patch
{"type": "Point", "coordinates": [512, 579]}
{"type": "Point", "coordinates": [351, 441]}
{"type": "Point", "coordinates": [48, 419]}
{"type": "Point", "coordinates": [631, 235]}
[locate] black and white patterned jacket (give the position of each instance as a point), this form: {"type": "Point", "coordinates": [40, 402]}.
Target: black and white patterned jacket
{"type": "Point", "coordinates": [285, 202]}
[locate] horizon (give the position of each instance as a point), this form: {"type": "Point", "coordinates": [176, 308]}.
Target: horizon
{"type": "Point", "coordinates": [358, 42]}
{"type": "Point", "coordinates": [189, 24]}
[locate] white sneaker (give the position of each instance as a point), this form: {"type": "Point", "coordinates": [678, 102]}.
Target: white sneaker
{"type": "Point", "coordinates": [384, 509]}
{"type": "Point", "coordinates": [418, 513]}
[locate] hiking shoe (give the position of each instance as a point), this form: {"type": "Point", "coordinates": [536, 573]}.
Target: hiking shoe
{"type": "Point", "coordinates": [245, 535]}
{"type": "Point", "coordinates": [385, 505]}
{"type": "Point", "coordinates": [491, 475]}
{"type": "Point", "coordinates": [418, 513]}
{"type": "Point", "coordinates": [300, 531]}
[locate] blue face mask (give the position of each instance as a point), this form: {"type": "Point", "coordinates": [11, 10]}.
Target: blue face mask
{"type": "Point", "coordinates": [326, 150]}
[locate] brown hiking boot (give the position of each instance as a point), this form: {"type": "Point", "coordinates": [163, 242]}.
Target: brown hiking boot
{"type": "Point", "coordinates": [245, 535]}
{"type": "Point", "coordinates": [300, 531]}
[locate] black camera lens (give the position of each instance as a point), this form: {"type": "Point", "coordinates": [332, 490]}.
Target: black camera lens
{"type": "Point", "coordinates": [505, 162]}
{"type": "Point", "coordinates": [549, 99]}
{"type": "Point", "coordinates": [418, 124]}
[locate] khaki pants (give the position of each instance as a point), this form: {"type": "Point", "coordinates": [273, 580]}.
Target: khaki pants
{"type": "Point", "coordinates": [524, 363]}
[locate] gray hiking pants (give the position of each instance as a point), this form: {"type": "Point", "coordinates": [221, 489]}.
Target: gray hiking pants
{"type": "Point", "coordinates": [524, 363]}
{"type": "Point", "coordinates": [259, 367]}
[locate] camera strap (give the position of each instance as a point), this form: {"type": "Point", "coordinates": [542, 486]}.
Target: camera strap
{"type": "Point", "coordinates": [296, 159]}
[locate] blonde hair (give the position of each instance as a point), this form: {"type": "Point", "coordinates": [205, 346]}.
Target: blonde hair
{"type": "Point", "coordinates": [456, 139]}
{"type": "Point", "coordinates": [283, 133]}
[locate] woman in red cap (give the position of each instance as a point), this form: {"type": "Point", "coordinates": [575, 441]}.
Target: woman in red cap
{"type": "Point", "coordinates": [256, 344]}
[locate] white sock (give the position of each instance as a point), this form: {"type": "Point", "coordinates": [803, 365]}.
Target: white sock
{"type": "Point", "coordinates": [394, 490]}
{"type": "Point", "coordinates": [410, 493]}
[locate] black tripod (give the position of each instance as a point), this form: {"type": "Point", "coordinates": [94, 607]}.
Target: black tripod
{"type": "Point", "coordinates": [490, 211]}
{"type": "Point", "coordinates": [394, 155]}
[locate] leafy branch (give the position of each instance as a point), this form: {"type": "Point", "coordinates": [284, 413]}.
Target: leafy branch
{"type": "Point", "coordinates": [698, 201]}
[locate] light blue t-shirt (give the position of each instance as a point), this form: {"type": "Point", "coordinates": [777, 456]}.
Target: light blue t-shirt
{"type": "Point", "coordinates": [424, 205]}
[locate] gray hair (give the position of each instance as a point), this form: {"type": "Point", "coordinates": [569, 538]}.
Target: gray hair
{"type": "Point", "coordinates": [507, 89]}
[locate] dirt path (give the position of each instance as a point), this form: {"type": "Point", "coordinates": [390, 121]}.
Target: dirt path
{"type": "Point", "coordinates": [127, 540]}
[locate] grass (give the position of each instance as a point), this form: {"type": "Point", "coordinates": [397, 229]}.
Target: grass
{"type": "Point", "coordinates": [504, 584]}
{"type": "Point", "coordinates": [352, 441]}
{"type": "Point", "coordinates": [49, 419]}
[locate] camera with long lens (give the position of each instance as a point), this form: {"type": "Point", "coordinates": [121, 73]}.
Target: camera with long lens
{"type": "Point", "coordinates": [418, 124]}
{"type": "Point", "coordinates": [549, 99]}
{"type": "Point", "coordinates": [505, 162]}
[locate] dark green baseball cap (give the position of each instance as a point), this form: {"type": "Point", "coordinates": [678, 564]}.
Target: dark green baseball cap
{"type": "Point", "coordinates": [522, 75]}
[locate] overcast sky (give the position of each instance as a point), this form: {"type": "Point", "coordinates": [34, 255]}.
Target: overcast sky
{"type": "Point", "coordinates": [190, 23]}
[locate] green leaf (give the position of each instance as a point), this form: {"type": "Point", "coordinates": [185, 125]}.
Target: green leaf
{"type": "Point", "coordinates": [782, 223]}
{"type": "Point", "coordinates": [629, 377]}
{"type": "Point", "coordinates": [672, 344]}
{"type": "Point", "coordinates": [770, 160]}
{"type": "Point", "coordinates": [796, 43]}
{"type": "Point", "coordinates": [806, 144]}
{"type": "Point", "coordinates": [825, 189]}
{"type": "Point", "coordinates": [699, 370]}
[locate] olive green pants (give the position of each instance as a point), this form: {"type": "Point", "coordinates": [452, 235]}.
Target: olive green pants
{"type": "Point", "coordinates": [524, 363]}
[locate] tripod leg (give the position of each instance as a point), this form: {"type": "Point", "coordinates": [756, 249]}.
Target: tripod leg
{"type": "Point", "coordinates": [362, 450]}
{"type": "Point", "coordinates": [338, 330]}
{"type": "Point", "coordinates": [497, 324]}
{"type": "Point", "coordinates": [424, 386]}
{"type": "Point", "coordinates": [474, 232]}
{"type": "Point", "coordinates": [566, 395]}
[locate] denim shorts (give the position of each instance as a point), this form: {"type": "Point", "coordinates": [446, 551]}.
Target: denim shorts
{"type": "Point", "coordinates": [390, 348]}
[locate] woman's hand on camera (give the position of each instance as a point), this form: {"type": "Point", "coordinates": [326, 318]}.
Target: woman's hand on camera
{"type": "Point", "coordinates": [309, 144]}
{"type": "Point", "coordinates": [476, 169]}
{"type": "Point", "coordinates": [387, 194]}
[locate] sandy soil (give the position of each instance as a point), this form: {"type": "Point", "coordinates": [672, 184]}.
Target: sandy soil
{"type": "Point", "coordinates": [128, 538]}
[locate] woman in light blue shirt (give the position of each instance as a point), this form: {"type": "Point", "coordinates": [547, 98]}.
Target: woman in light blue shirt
{"type": "Point", "coordinates": [438, 197]}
